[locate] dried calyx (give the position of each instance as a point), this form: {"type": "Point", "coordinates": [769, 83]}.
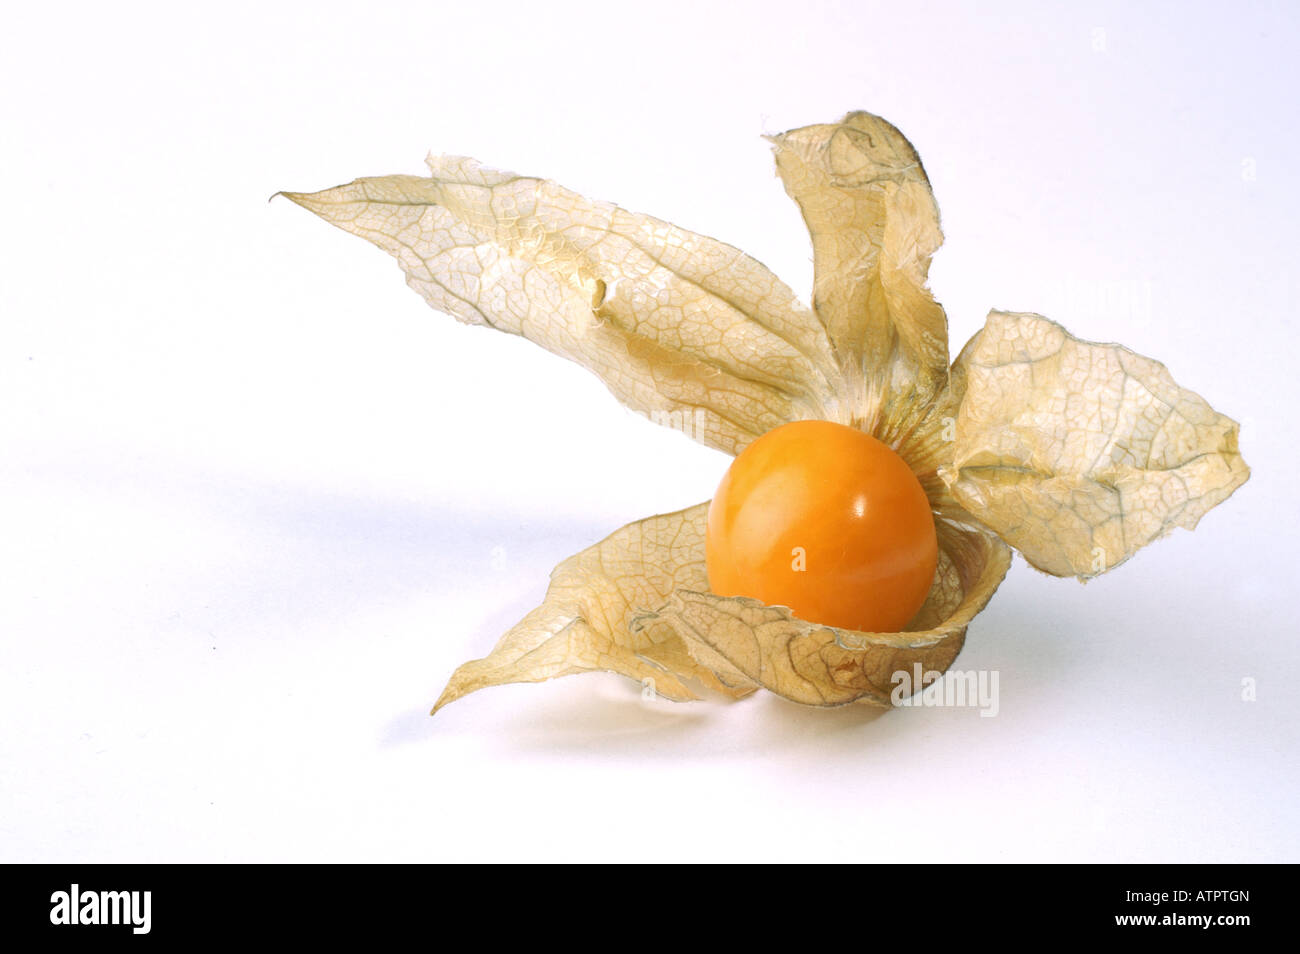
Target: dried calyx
{"type": "Point", "coordinates": [1076, 454]}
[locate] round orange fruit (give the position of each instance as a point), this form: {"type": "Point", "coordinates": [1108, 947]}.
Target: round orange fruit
{"type": "Point", "coordinates": [827, 520]}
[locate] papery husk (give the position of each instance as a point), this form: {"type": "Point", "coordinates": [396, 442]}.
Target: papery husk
{"type": "Point", "coordinates": [1073, 452]}
{"type": "Point", "coordinates": [874, 226]}
{"type": "Point", "coordinates": [681, 327]}
{"type": "Point", "coordinates": [637, 603]}
{"type": "Point", "coordinates": [818, 665]}
{"type": "Point", "coordinates": [586, 621]}
{"type": "Point", "coordinates": [1079, 454]}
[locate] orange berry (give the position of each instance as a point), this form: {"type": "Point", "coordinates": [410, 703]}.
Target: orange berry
{"type": "Point", "coordinates": [828, 521]}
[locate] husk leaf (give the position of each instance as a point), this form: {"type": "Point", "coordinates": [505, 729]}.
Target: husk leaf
{"type": "Point", "coordinates": [586, 621]}
{"type": "Point", "coordinates": [637, 603]}
{"type": "Point", "coordinates": [679, 326]}
{"type": "Point", "coordinates": [1079, 454]}
{"type": "Point", "coordinates": [820, 665]}
{"type": "Point", "coordinates": [874, 224]}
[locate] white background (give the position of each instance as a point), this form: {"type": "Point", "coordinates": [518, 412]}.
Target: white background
{"type": "Point", "coordinates": [257, 501]}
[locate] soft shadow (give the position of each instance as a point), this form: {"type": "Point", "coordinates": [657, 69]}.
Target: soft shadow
{"type": "Point", "coordinates": [606, 715]}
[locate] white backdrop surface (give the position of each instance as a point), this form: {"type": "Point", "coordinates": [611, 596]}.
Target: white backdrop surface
{"type": "Point", "coordinates": [258, 501]}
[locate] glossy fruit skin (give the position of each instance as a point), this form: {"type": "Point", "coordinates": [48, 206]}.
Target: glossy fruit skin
{"type": "Point", "coordinates": [837, 501]}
